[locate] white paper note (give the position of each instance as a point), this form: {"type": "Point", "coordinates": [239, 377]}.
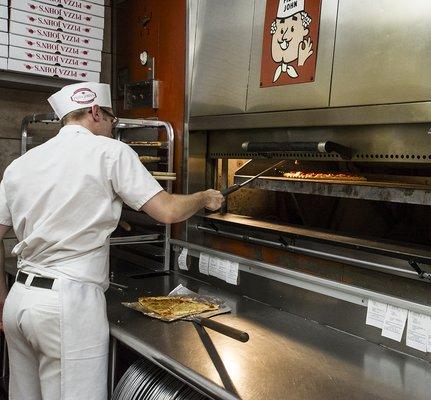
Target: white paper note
{"type": "Point", "coordinates": [213, 266]}
{"type": "Point", "coordinates": [204, 261]}
{"type": "Point", "coordinates": [222, 266]}
{"type": "Point", "coordinates": [376, 313]}
{"type": "Point", "coordinates": [182, 260]}
{"type": "Point", "coordinates": [217, 268]}
{"type": "Point", "coordinates": [418, 331]}
{"type": "Point", "coordinates": [232, 273]}
{"type": "Point", "coordinates": [394, 323]}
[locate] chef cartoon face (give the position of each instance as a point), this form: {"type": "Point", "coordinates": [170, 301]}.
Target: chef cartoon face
{"type": "Point", "coordinates": [289, 38]}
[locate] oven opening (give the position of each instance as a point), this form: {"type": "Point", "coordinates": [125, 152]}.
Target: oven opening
{"type": "Point", "coordinates": [377, 201]}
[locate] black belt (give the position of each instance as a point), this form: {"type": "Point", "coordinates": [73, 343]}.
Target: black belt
{"type": "Point", "coordinates": [38, 281]}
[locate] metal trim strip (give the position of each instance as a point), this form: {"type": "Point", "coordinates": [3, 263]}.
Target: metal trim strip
{"type": "Point", "coordinates": [405, 113]}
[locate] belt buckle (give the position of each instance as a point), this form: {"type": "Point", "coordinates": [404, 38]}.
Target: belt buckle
{"type": "Point", "coordinates": [29, 278]}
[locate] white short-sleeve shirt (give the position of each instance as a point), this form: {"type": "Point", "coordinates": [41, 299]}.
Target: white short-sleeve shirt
{"type": "Point", "coordinates": [64, 199]}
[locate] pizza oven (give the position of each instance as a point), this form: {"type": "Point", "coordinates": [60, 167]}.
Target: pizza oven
{"type": "Point", "coordinates": [317, 248]}
{"type": "Point", "coordinates": [345, 218]}
{"type": "Point", "coordinates": [366, 205]}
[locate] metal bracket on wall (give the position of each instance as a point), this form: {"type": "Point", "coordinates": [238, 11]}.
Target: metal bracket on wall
{"type": "Point", "coordinates": [144, 93]}
{"type": "Point", "coordinates": [141, 94]}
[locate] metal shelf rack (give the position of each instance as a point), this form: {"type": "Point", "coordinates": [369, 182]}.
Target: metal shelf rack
{"type": "Point", "coordinates": [168, 145]}
{"type": "Point", "coordinates": [123, 124]}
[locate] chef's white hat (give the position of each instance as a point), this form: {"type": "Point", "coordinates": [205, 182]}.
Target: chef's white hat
{"type": "Point", "coordinates": [286, 8]}
{"type": "Point", "coordinates": [80, 95]}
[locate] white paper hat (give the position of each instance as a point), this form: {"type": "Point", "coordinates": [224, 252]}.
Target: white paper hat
{"type": "Point", "coordinates": [286, 8]}
{"type": "Point", "coordinates": [80, 95]}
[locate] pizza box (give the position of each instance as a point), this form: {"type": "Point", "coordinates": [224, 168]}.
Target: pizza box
{"type": "Point", "coordinates": [3, 12]}
{"type": "Point", "coordinates": [77, 5]}
{"type": "Point", "coordinates": [53, 47]}
{"type": "Point", "coordinates": [100, 2]}
{"type": "Point", "coordinates": [78, 17]}
{"type": "Point", "coordinates": [3, 25]}
{"type": "Point", "coordinates": [4, 38]}
{"type": "Point", "coordinates": [3, 63]}
{"type": "Point", "coordinates": [52, 70]}
{"type": "Point", "coordinates": [3, 50]}
{"type": "Point", "coordinates": [52, 59]}
{"type": "Point", "coordinates": [55, 36]}
{"type": "Point", "coordinates": [57, 24]}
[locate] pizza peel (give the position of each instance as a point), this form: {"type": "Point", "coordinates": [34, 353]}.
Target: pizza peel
{"type": "Point", "coordinates": [203, 319]}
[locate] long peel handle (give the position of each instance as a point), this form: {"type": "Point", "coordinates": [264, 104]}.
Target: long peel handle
{"type": "Point", "coordinates": [223, 329]}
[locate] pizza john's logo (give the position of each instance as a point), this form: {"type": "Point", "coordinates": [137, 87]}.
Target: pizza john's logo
{"type": "Point", "coordinates": [290, 42]}
{"type": "Point", "coordinates": [83, 96]}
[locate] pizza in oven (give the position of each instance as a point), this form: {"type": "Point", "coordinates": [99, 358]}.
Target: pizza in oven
{"type": "Point", "coordinates": [340, 176]}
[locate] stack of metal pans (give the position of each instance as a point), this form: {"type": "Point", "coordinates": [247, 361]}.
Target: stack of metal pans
{"type": "Point", "coordinates": [145, 381]}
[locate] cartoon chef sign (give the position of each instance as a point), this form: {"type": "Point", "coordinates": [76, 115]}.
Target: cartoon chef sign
{"type": "Point", "coordinates": [290, 39]}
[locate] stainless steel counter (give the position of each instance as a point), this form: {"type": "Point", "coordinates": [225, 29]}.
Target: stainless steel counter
{"type": "Point", "coordinates": [287, 357]}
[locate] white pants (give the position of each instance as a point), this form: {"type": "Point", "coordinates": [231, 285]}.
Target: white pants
{"type": "Point", "coordinates": [31, 320]}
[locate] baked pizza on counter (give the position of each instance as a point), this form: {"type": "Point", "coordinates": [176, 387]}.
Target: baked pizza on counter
{"type": "Point", "coordinates": [175, 306]}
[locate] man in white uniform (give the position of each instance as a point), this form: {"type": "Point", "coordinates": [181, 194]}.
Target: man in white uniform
{"type": "Point", "coordinates": [63, 199]}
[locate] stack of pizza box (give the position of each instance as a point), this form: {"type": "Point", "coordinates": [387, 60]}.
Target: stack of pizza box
{"type": "Point", "coordinates": [3, 34]}
{"type": "Point", "coordinates": [59, 38]}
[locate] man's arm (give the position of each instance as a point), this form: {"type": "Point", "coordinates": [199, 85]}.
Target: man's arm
{"type": "Point", "coordinates": [3, 290]}
{"type": "Point", "coordinates": [172, 208]}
